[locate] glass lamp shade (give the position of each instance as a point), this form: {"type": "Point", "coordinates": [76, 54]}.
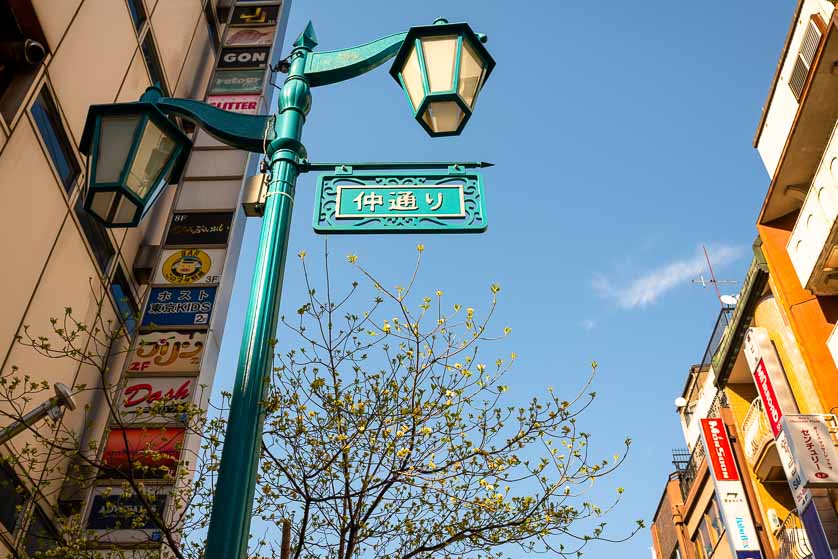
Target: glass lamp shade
{"type": "Point", "coordinates": [133, 149]}
{"type": "Point", "coordinates": [442, 68]}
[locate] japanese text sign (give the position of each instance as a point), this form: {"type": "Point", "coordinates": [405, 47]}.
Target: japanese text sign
{"type": "Point", "coordinates": [178, 307]}
{"type": "Point", "coordinates": [432, 202]}
{"type": "Point", "coordinates": [813, 449]}
{"type": "Point", "coordinates": [168, 352]}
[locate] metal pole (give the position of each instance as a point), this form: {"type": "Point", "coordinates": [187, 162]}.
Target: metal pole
{"type": "Point", "coordinates": [229, 526]}
{"type": "Point", "coordinates": [52, 407]}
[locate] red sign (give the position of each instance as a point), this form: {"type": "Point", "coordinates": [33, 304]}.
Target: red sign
{"type": "Point", "coordinates": [719, 451]}
{"type": "Point", "coordinates": [145, 447]}
{"type": "Point", "coordinates": [769, 398]}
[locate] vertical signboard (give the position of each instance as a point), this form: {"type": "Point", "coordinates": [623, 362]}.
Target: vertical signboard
{"type": "Point", "coordinates": [793, 445]}
{"type": "Point", "coordinates": [736, 513]}
{"type": "Point", "coordinates": [171, 364]}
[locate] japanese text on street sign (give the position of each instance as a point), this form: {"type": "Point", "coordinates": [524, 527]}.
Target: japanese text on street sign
{"type": "Point", "coordinates": [401, 200]}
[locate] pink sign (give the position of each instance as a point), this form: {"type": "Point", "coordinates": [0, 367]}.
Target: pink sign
{"type": "Point", "coordinates": [244, 104]}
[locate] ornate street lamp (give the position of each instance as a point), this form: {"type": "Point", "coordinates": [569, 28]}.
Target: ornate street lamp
{"type": "Point", "coordinates": [442, 68]}
{"type": "Point", "coordinates": [133, 149]}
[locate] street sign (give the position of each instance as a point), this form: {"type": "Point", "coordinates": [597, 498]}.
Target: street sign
{"type": "Point", "coordinates": [178, 307]}
{"type": "Point", "coordinates": [414, 202]}
{"type": "Point", "coordinates": [238, 81]}
{"type": "Point", "coordinates": [244, 57]}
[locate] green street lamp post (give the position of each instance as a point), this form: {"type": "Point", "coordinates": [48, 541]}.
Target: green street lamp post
{"type": "Point", "coordinates": [134, 149]}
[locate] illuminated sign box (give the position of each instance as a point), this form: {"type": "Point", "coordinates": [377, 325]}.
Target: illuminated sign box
{"type": "Point", "coordinates": [178, 307]}
{"type": "Point", "coordinates": [242, 104]}
{"type": "Point", "coordinates": [238, 81]}
{"type": "Point", "coordinates": [199, 228]}
{"type": "Point", "coordinates": [244, 57]}
{"type": "Point", "coordinates": [261, 15]}
{"type": "Point", "coordinates": [168, 352]}
{"type": "Point", "coordinates": [250, 36]}
{"type": "Point", "coordinates": [190, 266]}
{"type": "Point", "coordinates": [156, 399]}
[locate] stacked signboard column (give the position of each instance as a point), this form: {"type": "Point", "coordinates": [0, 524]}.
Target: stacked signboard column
{"type": "Point", "coordinates": [173, 358]}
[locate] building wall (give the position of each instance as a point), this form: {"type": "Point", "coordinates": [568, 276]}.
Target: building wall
{"type": "Point", "coordinates": [95, 56]}
{"type": "Point", "coordinates": [783, 106]}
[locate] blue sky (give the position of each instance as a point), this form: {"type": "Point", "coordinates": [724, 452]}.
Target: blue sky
{"type": "Point", "coordinates": [621, 134]}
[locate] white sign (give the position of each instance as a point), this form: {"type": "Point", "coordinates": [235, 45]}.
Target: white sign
{"type": "Point", "coordinates": [168, 352]}
{"type": "Point", "coordinates": [190, 266]}
{"type": "Point", "coordinates": [813, 449]}
{"type": "Point", "coordinates": [735, 510]}
{"type": "Point", "coordinates": [244, 104]}
{"type": "Point", "coordinates": [801, 494]}
{"type": "Point", "coordinates": [141, 393]}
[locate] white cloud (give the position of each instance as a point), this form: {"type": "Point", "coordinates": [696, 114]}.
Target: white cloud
{"type": "Point", "coordinates": [648, 287]}
{"type": "Point", "coordinates": [588, 324]}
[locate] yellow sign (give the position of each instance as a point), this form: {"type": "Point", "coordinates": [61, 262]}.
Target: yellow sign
{"type": "Point", "coordinates": [186, 266]}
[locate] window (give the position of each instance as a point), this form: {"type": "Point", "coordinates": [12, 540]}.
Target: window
{"type": "Point", "coordinates": [12, 498]}
{"type": "Point", "coordinates": [804, 59]}
{"type": "Point", "coordinates": [137, 11]}
{"type": "Point", "coordinates": [125, 303]}
{"type": "Point", "coordinates": [212, 26]}
{"type": "Point", "coordinates": [41, 536]}
{"type": "Point", "coordinates": [709, 531]}
{"type": "Point", "coordinates": [152, 62]}
{"type": "Point", "coordinates": [97, 236]}
{"type": "Point", "coordinates": [48, 121]}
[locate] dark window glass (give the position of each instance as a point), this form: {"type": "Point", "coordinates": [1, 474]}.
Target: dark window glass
{"type": "Point", "coordinates": [96, 235]}
{"type": "Point", "coordinates": [125, 303]}
{"type": "Point", "coordinates": [212, 26]}
{"type": "Point", "coordinates": [40, 536]}
{"type": "Point", "coordinates": [19, 64]}
{"type": "Point", "coordinates": [12, 498]}
{"type": "Point", "coordinates": [49, 125]}
{"type": "Point", "coordinates": [135, 7]}
{"type": "Point", "coordinates": [152, 61]}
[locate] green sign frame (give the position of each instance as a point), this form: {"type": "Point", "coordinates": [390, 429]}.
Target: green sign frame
{"type": "Point", "coordinates": [238, 81]}
{"type": "Point", "coordinates": [399, 202]}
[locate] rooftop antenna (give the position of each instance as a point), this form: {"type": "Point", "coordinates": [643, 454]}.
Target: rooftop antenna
{"type": "Point", "coordinates": [724, 300]}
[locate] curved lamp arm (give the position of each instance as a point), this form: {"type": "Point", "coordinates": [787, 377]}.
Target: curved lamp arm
{"type": "Point", "coordinates": [324, 68]}
{"type": "Point", "coordinates": [247, 132]}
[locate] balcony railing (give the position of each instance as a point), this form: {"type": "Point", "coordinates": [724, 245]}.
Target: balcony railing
{"type": "Point", "coordinates": [792, 539]}
{"type": "Point", "coordinates": [756, 431]}
{"type": "Point", "coordinates": [688, 472]}
{"type": "Point", "coordinates": [812, 244]}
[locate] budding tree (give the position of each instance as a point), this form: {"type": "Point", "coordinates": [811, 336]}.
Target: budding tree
{"type": "Point", "coordinates": [388, 434]}
{"type": "Point", "coordinates": [142, 495]}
